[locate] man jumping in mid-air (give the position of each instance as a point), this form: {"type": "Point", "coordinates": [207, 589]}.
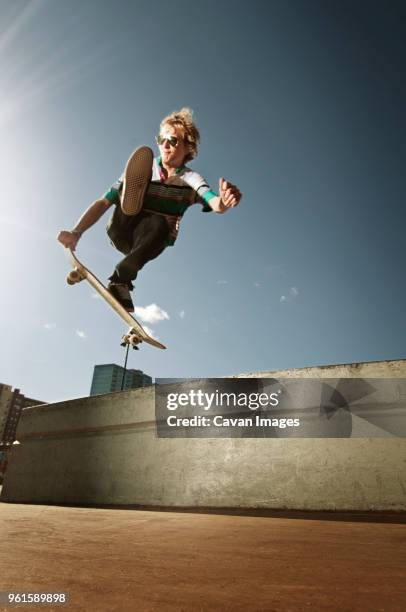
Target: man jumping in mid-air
{"type": "Point", "coordinates": [150, 199]}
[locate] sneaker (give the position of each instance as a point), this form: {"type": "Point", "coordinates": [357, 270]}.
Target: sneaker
{"type": "Point", "coordinates": [121, 292]}
{"type": "Point", "coordinates": [137, 175]}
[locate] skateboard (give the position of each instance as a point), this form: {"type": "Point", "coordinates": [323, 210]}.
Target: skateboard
{"type": "Point", "coordinates": [136, 334]}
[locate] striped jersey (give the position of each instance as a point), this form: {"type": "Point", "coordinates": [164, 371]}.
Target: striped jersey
{"type": "Point", "coordinates": [171, 196]}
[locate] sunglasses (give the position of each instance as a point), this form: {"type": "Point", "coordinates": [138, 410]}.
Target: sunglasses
{"type": "Point", "coordinates": [173, 140]}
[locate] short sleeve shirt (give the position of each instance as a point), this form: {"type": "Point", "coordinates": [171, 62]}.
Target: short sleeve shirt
{"type": "Point", "coordinates": [171, 196]}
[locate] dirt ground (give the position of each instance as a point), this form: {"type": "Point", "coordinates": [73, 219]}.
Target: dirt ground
{"type": "Point", "coordinates": [141, 560]}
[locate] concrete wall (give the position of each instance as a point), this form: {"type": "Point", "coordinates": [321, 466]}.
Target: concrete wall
{"type": "Point", "coordinates": [104, 450]}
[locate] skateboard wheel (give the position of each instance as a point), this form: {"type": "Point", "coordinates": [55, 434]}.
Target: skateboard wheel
{"type": "Point", "coordinates": [73, 277]}
{"type": "Point", "coordinates": [134, 340]}
{"type": "Point", "coordinates": [125, 340]}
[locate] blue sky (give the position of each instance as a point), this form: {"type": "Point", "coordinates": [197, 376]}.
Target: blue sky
{"type": "Point", "coordinates": [301, 104]}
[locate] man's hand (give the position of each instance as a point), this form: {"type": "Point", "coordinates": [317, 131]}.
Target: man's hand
{"type": "Point", "coordinates": [68, 239]}
{"type": "Point", "coordinates": [230, 195]}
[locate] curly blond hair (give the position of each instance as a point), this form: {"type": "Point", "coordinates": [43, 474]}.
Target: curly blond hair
{"type": "Point", "coordinates": [183, 119]}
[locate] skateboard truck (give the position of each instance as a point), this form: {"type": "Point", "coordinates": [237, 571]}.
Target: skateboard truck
{"type": "Point", "coordinates": [131, 338]}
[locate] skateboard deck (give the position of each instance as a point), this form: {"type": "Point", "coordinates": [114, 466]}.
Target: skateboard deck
{"type": "Point", "coordinates": [136, 334]}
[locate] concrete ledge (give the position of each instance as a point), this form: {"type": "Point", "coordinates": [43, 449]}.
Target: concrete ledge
{"type": "Point", "coordinates": [104, 450]}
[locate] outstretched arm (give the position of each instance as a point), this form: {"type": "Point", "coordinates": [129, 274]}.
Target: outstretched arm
{"type": "Point", "coordinates": [229, 197]}
{"type": "Point", "coordinates": [69, 238]}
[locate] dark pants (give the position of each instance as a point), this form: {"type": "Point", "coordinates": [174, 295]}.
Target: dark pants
{"type": "Point", "coordinates": [141, 238]}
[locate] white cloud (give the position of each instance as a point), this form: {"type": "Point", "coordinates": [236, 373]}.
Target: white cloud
{"type": "Point", "coordinates": [96, 296]}
{"type": "Point", "coordinates": [182, 314]}
{"type": "Point", "coordinates": [49, 325]}
{"type": "Point", "coordinates": [80, 333]}
{"type": "Point", "coordinates": [222, 282]}
{"type": "Point", "coordinates": [291, 297]}
{"type": "Point", "coordinates": [150, 314]}
{"type": "Point", "coordinates": [257, 284]}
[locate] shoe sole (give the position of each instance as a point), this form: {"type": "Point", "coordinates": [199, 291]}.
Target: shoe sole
{"type": "Point", "coordinates": [127, 308]}
{"type": "Point", "coordinates": [137, 175]}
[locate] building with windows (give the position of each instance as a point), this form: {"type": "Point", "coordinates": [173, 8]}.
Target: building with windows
{"type": "Point", "coordinates": [110, 377]}
{"type": "Point", "coordinates": [12, 402]}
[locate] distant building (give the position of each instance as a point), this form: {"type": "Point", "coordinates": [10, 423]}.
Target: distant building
{"type": "Point", "coordinates": [12, 402]}
{"type": "Point", "coordinates": [109, 377]}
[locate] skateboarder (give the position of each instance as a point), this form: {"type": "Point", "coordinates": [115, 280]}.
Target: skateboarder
{"type": "Point", "coordinates": [149, 201]}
